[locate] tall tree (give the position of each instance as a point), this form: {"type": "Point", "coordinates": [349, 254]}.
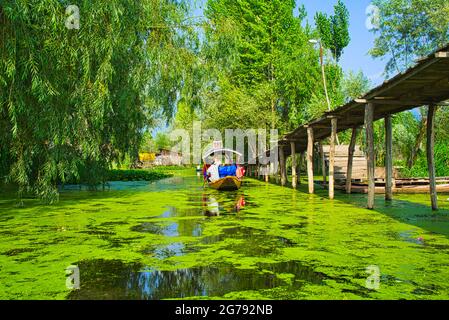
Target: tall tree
{"type": "Point", "coordinates": [271, 62]}
{"type": "Point", "coordinates": [334, 29]}
{"type": "Point", "coordinates": [408, 29]}
{"type": "Point", "coordinates": [355, 85]}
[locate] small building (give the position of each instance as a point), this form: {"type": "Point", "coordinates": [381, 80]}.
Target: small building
{"type": "Point", "coordinates": [166, 157]}
{"type": "Point", "coordinates": [359, 165]}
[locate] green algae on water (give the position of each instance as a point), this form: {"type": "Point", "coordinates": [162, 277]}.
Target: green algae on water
{"type": "Point", "coordinates": [173, 239]}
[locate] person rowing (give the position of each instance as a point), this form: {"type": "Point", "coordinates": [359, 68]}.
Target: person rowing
{"type": "Point", "coordinates": [213, 173]}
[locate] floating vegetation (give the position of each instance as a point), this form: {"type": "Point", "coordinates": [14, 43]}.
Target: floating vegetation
{"type": "Point", "coordinates": [174, 239]}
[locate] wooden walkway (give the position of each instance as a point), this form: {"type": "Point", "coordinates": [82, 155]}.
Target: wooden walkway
{"type": "Point", "coordinates": [425, 84]}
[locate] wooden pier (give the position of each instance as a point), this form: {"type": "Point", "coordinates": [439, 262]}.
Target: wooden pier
{"type": "Point", "coordinates": [425, 84]}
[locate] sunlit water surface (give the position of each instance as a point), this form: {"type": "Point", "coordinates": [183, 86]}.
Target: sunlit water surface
{"type": "Point", "coordinates": [175, 239]}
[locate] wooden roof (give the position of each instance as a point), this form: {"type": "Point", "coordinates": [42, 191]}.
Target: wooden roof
{"type": "Point", "coordinates": [423, 84]}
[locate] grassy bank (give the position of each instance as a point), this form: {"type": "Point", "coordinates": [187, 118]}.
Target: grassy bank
{"type": "Point", "coordinates": [137, 175]}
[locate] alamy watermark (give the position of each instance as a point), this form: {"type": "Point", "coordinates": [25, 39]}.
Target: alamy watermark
{"type": "Point", "coordinates": [194, 145]}
{"type": "Point", "coordinates": [73, 19]}
{"type": "Point", "coordinates": [373, 17]}
{"type": "Point", "coordinates": [373, 280]}
{"type": "Point", "coordinates": [73, 280]}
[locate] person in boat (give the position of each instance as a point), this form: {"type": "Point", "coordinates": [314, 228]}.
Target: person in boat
{"type": "Point", "coordinates": [213, 173]}
{"type": "Point", "coordinates": [240, 173]}
{"type": "Point", "coordinates": [227, 171]}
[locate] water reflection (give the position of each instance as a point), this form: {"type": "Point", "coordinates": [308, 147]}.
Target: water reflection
{"type": "Point", "coordinates": [164, 251]}
{"type": "Point", "coordinates": [102, 279]}
{"type": "Point", "coordinates": [212, 208]}
{"type": "Point", "coordinates": [248, 241]}
{"type": "Point", "coordinates": [180, 228]}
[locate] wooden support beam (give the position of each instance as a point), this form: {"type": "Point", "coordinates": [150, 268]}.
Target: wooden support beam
{"type": "Point", "coordinates": [332, 159]}
{"type": "Point", "coordinates": [323, 164]}
{"type": "Point", "coordinates": [293, 152]}
{"type": "Point", "coordinates": [369, 115]}
{"type": "Point", "coordinates": [397, 101]}
{"type": "Point", "coordinates": [431, 155]}
{"type": "Point", "coordinates": [350, 160]}
{"type": "Point", "coordinates": [392, 83]}
{"type": "Point", "coordinates": [282, 162]}
{"type": "Point", "coordinates": [310, 141]}
{"type": "Point", "coordinates": [388, 159]}
{"type": "Point", "coordinates": [442, 54]}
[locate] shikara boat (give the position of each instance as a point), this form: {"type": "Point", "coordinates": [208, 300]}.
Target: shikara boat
{"type": "Point", "coordinates": [225, 183]}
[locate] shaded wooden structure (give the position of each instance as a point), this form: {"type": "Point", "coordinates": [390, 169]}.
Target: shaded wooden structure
{"type": "Point", "coordinates": [425, 84]}
{"type": "Point", "coordinates": [359, 161]}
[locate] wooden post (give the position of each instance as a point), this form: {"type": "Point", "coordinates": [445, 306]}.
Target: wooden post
{"type": "Point", "coordinates": [283, 166]}
{"type": "Point", "coordinates": [267, 173]}
{"type": "Point", "coordinates": [310, 159]}
{"type": "Point", "coordinates": [332, 159]}
{"type": "Point", "coordinates": [323, 163]}
{"type": "Point", "coordinates": [350, 160]}
{"type": "Point", "coordinates": [369, 119]}
{"type": "Point", "coordinates": [388, 159]}
{"type": "Point", "coordinates": [431, 155]}
{"type": "Point", "coordinates": [294, 178]}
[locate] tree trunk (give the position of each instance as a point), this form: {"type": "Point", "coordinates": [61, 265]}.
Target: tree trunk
{"type": "Point", "coordinates": [310, 160]}
{"type": "Point", "coordinates": [418, 142]}
{"type": "Point", "coordinates": [388, 159]}
{"type": "Point", "coordinates": [369, 115]}
{"type": "Point", "coordinates": [431, 156]}
{"type": "Point", "coordinates": [332, 159]}
{"type": "Point", "coordinates": [350, 161]}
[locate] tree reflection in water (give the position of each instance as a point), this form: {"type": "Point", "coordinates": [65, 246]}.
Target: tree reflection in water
{"type": "Point", "coordinates": [103, 279]}
{"type": "Point", "coordinates": [212, 208]}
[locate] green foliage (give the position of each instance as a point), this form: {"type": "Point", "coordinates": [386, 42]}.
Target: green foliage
{"type": "Point", "coordinates": [317, 105]}
{"type": "Point", "coordinates": [162, 141]}
{"type": "Point", "coordinates": [441, 163]}
{"type": "Point", "coordinates": [355, 85]}
{"type": "Point", "coordinates": [147, 144]}
{"type": "Point", "coordinates": [334, 30]}
{"type": "Point", "coordinates": [409, 29]}
{"type": "Point", "coordinates": [441, 121]}
{"type": "Point", "coordinates": [259, 55]}
{"type": "Point", "coordinates": [73, 99]}
{"type": "Point", "coordinates": [236, 108]}
{"type": "Point", "coordinates": [168, 169]}
{"type": "Point", "coordinates": [136, 175]}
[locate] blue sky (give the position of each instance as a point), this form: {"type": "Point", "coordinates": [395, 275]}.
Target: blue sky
{"type": "Point", "coordinates": [355, 56]}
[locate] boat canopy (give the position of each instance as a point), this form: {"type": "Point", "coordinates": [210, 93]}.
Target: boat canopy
{"type": "Point", "coordinates": [219, 152]}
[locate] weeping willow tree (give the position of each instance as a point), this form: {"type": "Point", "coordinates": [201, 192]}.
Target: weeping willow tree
{"type": "Point", "coordinates": [73, 100]}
